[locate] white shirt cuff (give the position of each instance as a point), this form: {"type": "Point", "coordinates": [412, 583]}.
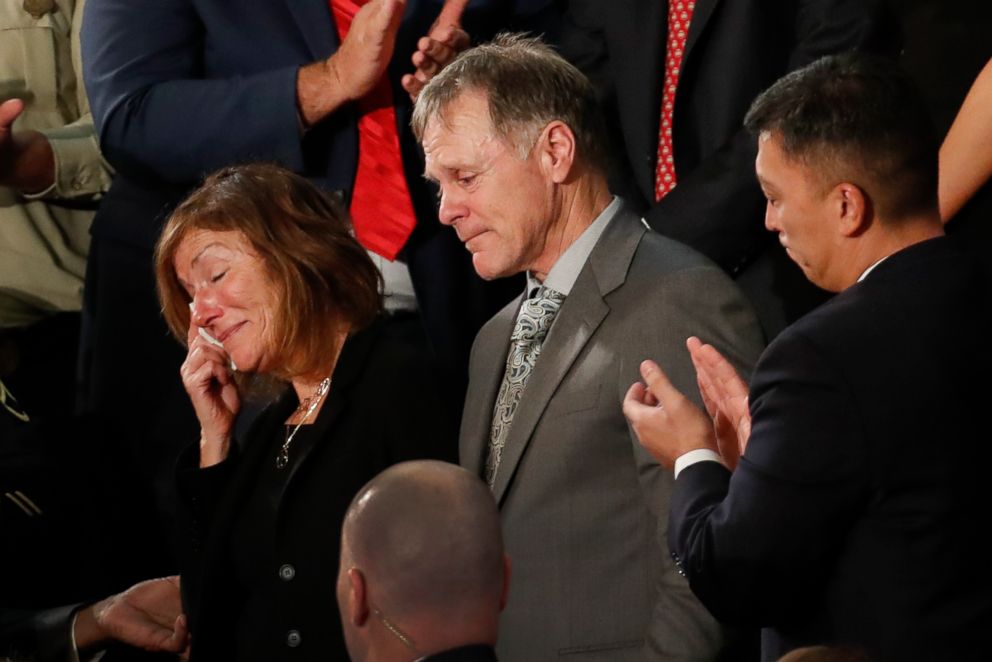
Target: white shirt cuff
{"type": "Point", "coordinates": [694, 456]}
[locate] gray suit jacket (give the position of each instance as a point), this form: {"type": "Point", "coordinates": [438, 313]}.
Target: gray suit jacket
{"type": "Point", "coordinates": [584, 507]}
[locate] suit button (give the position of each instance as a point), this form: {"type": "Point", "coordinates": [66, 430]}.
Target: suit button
{"type": "Point", "coordinates": [287, 572]}
{"type": "Point", "coordinates": [293, 638]}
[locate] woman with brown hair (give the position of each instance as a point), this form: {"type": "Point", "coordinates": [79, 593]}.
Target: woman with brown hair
{"type": "Point", "coordinates": [258, 273]}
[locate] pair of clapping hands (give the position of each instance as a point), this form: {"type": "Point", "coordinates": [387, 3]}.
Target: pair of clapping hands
{"type": "Point", "coordinates": [360, 61]}
{"type": "Point", "coordinates": [669, 425]}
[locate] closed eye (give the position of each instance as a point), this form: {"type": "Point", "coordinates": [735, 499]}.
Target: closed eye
{"type": "Point", "coordinates": [217, 277]}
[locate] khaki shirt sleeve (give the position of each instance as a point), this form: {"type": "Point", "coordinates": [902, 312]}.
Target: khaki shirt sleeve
{"type": "Point", "coordinates": [80, 170]}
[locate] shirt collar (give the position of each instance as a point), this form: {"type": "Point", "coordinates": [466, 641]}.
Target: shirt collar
{"type": "Point", "coordinates": [566, 270]}
{"type": "Point", "coordinates": [864, 274]}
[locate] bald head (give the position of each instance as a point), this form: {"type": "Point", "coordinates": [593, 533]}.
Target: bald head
{"type": "Point", "coordinates": [425, 539]}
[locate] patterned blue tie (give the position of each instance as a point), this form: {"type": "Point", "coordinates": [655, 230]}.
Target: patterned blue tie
{"type": "Point", "coordinates": [533, 322]}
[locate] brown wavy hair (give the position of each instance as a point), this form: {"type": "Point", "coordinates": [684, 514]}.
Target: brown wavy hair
{"type": "Point", "coordinates": [323, 275]}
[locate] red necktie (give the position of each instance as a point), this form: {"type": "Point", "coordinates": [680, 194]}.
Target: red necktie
{"type": "Point", "coordinates": [679, 16]}
{"type": "Point", "coordinates": [381, 210]}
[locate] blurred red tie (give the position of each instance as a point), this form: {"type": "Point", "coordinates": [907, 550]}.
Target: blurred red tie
{"type": "Point", "coordinates": [381, 209]}
{"type": "Point", "coordinates": [679, 17]}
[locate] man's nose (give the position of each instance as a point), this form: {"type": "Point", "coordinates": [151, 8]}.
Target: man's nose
{"type": "Point", "coordinates": [450, 209]}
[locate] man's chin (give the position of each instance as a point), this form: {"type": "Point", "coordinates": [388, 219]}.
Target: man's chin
{"type": "Point", "coordinates": [487, 270]}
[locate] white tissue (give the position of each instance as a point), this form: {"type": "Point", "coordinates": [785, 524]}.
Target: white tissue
{"type": "Point", "coordinates": [213, 341]}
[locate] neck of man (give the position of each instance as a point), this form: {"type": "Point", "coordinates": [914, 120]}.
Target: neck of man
{"type": "Point", "coordinates": [431, 639]}
{"type": "Point", "coordinates": [885, 239]}
{"type": "Point", "coordinates": [582, 200]}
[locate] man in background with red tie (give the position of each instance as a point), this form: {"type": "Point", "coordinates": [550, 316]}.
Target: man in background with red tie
{"type": "Point", "coordinates": [676, 78]}
{"type": "Point", "coordinates": [182, 87]}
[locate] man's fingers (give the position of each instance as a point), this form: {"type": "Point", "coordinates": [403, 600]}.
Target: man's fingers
{"type": "Point", "coordinates": [657, 383]}
{"type": "Point", "coordinates": [411, 85]}
{"type": "Point", "coordinates": [638, 403]}
{"type": "Point", "coordinates": [386, 19]}
{"type": "Point", "coordinates": [180, 635]}
{"type": "Point", "coordinates": [719, 368]}
{"type": "Point", "coordinates": [388, 9]}
{"type": "Point", "coordinates": [720, 375]}
{"type": "Point", "coordinates": [705, 391]}
{"type": "Point", "coordinates": [10, 110]}
{"type": "Point", "coordinates": [435, 49]}
{"type": "Point", "coordinates": [425, 64]}
{"type": "Point", "coordinates": [451, 13]}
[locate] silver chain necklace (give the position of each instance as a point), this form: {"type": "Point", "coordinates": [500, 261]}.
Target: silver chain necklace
{"type": "Point", "coordinates": [309, 405]}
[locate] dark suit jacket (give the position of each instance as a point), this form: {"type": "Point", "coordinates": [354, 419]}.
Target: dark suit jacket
{"type": "Point", "coordinates": [583, 506]}
{"type": "Point", "coordinates": [383, 408]}
{"type": "Point", "coordinates": [734, 50]}
{"type": "Point", "coordinates": [855, 516]}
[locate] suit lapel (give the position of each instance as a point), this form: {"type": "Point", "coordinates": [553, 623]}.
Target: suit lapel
{"type": "Point", "coordinates": [581, 314]}
{"type": "Point", "coordinates": [313, 18]}
{"type": "Point", "coordinates": [700, 17]}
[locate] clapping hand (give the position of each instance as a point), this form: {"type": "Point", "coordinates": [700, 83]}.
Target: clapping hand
{"type": "Point", "coordinates": [668, 425]}
{"type": "Point", "coordinates": [725, 396]}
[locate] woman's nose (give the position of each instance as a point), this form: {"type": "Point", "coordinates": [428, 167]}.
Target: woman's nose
{"type": "Point", "coordinates": [204, 309]}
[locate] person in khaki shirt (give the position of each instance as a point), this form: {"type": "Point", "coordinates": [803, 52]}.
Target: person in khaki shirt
{"type": "Point", "coordinates": [51, 171]}
{"type": "Point", "coordinates": [51, 175]}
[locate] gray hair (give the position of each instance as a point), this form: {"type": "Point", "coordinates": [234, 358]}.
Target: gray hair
{"type": "Point", "coordinates": [527, 85]}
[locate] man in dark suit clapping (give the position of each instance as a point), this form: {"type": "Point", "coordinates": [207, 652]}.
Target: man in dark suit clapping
{"type": "Point", "coordinates": [854, 515]}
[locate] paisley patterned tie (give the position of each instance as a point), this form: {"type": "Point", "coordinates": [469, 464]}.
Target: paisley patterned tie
{"type": "Point", "coordinates": [533, 322]}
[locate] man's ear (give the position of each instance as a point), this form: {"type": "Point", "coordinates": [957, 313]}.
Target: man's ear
{"type": "Point", "coordinates": [853, 209]}
{"type": "Point", "coordinates": [358, 606]}
{"type": "Point", "coordinates": [557, 145]}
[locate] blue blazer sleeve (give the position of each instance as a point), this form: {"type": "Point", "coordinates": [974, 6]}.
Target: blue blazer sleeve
{"type": "Point", "coordinates": [161, 113]}
{"type": "Point", "coordinates": [756, 545]}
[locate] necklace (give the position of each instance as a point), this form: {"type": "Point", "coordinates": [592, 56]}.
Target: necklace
{"type": "Point", "coordinates": [308, 406]}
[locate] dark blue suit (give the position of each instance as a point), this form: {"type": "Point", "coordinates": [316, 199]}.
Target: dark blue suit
{"type": "Point", "coordinates": [857, 514]}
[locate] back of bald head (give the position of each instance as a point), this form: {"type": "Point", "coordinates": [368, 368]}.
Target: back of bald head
{"type": "Point", "coordinates": [427, 536]}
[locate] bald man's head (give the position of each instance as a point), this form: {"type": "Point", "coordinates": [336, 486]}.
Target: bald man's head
{"type": "Point", "coordinates": [423, 539]}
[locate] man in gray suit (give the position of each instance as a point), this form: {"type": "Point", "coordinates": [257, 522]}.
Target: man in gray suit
{"type": "Point", "coordinates": [510, 132]}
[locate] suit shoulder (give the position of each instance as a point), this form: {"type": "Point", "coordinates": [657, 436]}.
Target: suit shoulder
{"type": "Point", "coordinates": [660, 256]}
{"type": "Point", "coordinates": [663, 267]}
